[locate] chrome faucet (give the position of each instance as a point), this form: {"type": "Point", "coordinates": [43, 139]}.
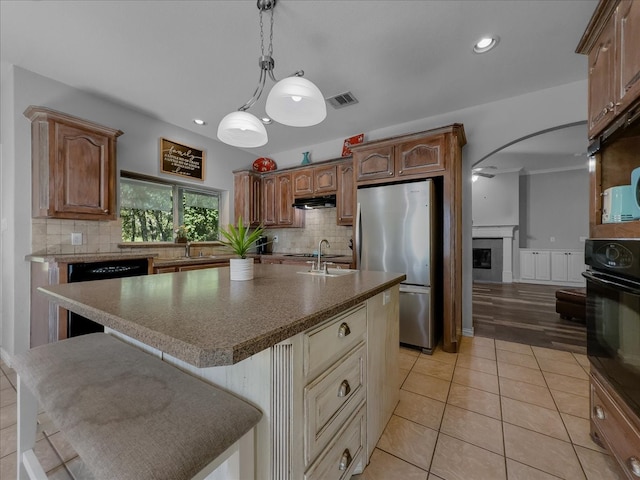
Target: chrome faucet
{"type": "Point", "coordinates": [324, 240]}
{"type": "Point", "coordinates": [187, 250]}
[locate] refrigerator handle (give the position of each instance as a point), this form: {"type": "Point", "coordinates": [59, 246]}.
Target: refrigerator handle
{"type": "Point", "coordinates": [358, 247]}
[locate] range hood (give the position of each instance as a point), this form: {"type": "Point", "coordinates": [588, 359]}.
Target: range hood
{"type": "Point", "coordinates": [328, 201]}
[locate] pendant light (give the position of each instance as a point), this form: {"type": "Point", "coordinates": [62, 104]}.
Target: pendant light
{"type": "Point", "coordinates": [293, 101]}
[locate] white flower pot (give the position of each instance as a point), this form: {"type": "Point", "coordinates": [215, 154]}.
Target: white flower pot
{"type": "Point", "coordinates": [241, 268]}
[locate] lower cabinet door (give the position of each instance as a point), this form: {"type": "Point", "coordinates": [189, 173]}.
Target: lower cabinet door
{"type": "Point", "coordinates": [344, 454]}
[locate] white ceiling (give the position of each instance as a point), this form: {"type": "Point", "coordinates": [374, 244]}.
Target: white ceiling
{"type": "Point", "coordinates": [403, 60]}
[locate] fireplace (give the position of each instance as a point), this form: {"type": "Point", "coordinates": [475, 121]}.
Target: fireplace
{"type": "Point", "coordinates": [495, 266]}
{"type": "Point", "coordinates": [487, 259]}
{"type": "Point", "coordinates": [482, 258]}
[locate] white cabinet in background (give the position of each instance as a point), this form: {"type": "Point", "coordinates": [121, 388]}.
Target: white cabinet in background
{"type": "Point", "coordinates": [553, 267]}
{"type": "Point", "coordinates": [567, 266]}
{"type": "Point", "coordinates": [535, 265]}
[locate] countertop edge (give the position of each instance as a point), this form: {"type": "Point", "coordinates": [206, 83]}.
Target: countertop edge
{"type": "Point", "coordinates": [220, 355]}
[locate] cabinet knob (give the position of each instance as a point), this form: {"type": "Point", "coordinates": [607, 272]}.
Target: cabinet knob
{"type": "Point", "coordinates": [390, 173]}
{"type": "Point", "coordinates": [345, 460]}
{"type": "Point", "coordinates": [598, 411]}
{"type": "Point", "coordinates": [634, 466]}
{"type": "Point", "coordinates": [344, 389]}
{"type": "Point", "coordinates": [400, 171]}
{"type": "Point", "coordinates": [344, 330]}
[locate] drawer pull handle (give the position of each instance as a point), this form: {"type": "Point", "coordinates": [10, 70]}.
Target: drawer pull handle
{"type": "Point", "coordinates": [344, 389]}
{"type": "Point", "coordinates": [346, 459]}
{"type": "Point", "coordinates": [634, 466]}
{"type": "Point", "coordinates": [599, 412]}
{"type": "Point", "coordinates": [344, 330]}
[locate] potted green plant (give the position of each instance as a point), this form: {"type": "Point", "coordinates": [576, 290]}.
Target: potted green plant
{"type": "Point", "coordinates": [240, 238]}
{"type": "Point", "coordinates": [181, 234]}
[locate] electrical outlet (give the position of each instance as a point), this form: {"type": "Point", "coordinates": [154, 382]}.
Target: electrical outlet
{"type": "Point", "coordinates": [275, 239]}
{"type": "Point", "coordinates": [552, 239]}
{"type": "Point", "coordinates": [76, 238]}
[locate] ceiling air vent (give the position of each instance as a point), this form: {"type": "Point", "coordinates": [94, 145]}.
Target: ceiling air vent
{"type": "Point", "coordinates": [342, 100]}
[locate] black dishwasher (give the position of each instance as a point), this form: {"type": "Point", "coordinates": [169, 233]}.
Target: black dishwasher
{"type": "Point", "coordinates": [84, 272]}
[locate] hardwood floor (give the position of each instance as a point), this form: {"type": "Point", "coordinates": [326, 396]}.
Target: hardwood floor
{"type": "Point", "coordinates": [525, 313]}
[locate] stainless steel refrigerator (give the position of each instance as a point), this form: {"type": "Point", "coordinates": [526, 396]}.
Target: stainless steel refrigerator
{"type": "Point", "coordinates": [398, 230]}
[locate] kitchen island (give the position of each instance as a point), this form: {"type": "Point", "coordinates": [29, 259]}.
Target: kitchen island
{"type": "Point", "coordinates": [318, 355]}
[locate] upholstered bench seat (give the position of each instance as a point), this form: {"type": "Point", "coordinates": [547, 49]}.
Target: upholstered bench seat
{"type": "Point", "coordinates": [571, 303]}
{"type": "Point", "coordinates": [128, 414]}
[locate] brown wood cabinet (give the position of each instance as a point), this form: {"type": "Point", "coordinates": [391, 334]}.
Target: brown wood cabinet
{"type": "Point", "coordinates": [319, 180]}
{"type": "Point", "coordinates": [277, 200]}
{"type": "Point", "coordinates": [628, 53]}
{"type": "Point", "coordinates": [303, 182]}
{"type": "Point", "coordinates": [247, 196]}
{"type": "Point", "coordinates": [435, 154]}
{"type": "Point", "coordinates": [611, 41]}
{"type": "Point", "coordinates": [390, 161]}
{"type": "Point", "coordinates": [324, 180]}
{"type": "Point", "coordinates": [74, 166]}
{"type": "Point", "coordinates": [345, 198]}
{"type": "Point", "coordinates": [615, 426]}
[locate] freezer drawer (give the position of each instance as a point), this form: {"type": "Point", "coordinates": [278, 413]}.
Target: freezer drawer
{"type": "Point", "coordinates": [416, 317]}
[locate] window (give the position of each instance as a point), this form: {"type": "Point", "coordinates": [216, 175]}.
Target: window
{"type": "Point", "coordinates": [152, 209]}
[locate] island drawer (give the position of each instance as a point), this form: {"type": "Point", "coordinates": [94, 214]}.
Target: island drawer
{"type": "Point", "coordinates": [330, 401]}
{"type": "Point", "coordinates": [327, 343]}
{"type": "Point", "coordinates": [340, 459]}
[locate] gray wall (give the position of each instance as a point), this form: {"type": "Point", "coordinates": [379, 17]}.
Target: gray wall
{"type": "Point", "coordinates": [554, 204]}
{"type": "Point", "coordinates": [495, 200]}
{"type": "Point", "coordinates": [137, 151]}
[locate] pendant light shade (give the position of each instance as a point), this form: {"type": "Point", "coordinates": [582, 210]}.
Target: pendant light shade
{"type": "Point", "coordinates": [293, 101]}
{"type": "Point", "coordinates": [242, 129]}
{"type": "Point", "coordinates": [296, 102]}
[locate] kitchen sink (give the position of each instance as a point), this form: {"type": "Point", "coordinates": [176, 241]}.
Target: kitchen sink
{"type": "Point", "coordinates": [331, 272]}
{"type": "Point", "coordinates": [310, 255]}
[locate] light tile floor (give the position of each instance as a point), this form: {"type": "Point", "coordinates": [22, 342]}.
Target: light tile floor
{"type": "Point", "coordinates": [496, 410]}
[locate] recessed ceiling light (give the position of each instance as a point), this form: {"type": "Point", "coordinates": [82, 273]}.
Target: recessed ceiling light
{"type": "Point", "coordinates": [266, 120]}
{"type": "Point", "coordinates": [486, 43]}
{"type": "Point", "coordinates": [197, 121]}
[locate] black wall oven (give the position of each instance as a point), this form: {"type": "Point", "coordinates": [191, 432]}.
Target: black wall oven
{"type": "Point", "coordinates": [613, 314]}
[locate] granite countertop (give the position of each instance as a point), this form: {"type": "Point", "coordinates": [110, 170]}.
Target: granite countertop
{"type": "Point", "coordinates": [204, 319]}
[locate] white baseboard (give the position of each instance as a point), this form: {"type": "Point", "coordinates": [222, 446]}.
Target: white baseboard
{"type": "Point", "coordinates": [467, 332]}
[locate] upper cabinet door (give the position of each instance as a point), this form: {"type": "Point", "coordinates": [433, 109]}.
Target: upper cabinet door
{"type": "Point", "coordinates": [375, 163]}
{"type": "Point", "coordinates": [82, 172]}
{"type": "Point", "coordinates": [324, 180]}
{"type": "Point", "coordinates": [601, 80]}
{"type": "Point", "coordinates": [420, 156]}
{"type": "Point", "coordinates": [269, 201]}
{"type": "Point", "coordinates": [74, 166]}
{"type": "Point", "coordinates": [303, 182]}
{"type": "Point", "coordinates": [345, 199]}
{"type": "Point", "coordinates": [628, 53]}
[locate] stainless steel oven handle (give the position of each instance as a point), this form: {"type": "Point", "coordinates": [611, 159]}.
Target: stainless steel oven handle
{"type": "Point", "coordinates": [609, 283]}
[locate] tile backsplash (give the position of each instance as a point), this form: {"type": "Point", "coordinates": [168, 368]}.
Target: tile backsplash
{"type": "Point", "coordinates": [319, 224]}
{"type": "Point", "coordinates": [53, 236]}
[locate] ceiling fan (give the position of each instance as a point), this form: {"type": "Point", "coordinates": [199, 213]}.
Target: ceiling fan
{"type": "Point", "coordinates": [479, 172]}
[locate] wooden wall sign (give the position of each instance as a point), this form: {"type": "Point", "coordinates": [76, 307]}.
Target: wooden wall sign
{"type": "Point", "coordinates": [182, 160]}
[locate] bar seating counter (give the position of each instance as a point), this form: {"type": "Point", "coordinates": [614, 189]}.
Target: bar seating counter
{"type": "Point", "coordinates": [317, 355]}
